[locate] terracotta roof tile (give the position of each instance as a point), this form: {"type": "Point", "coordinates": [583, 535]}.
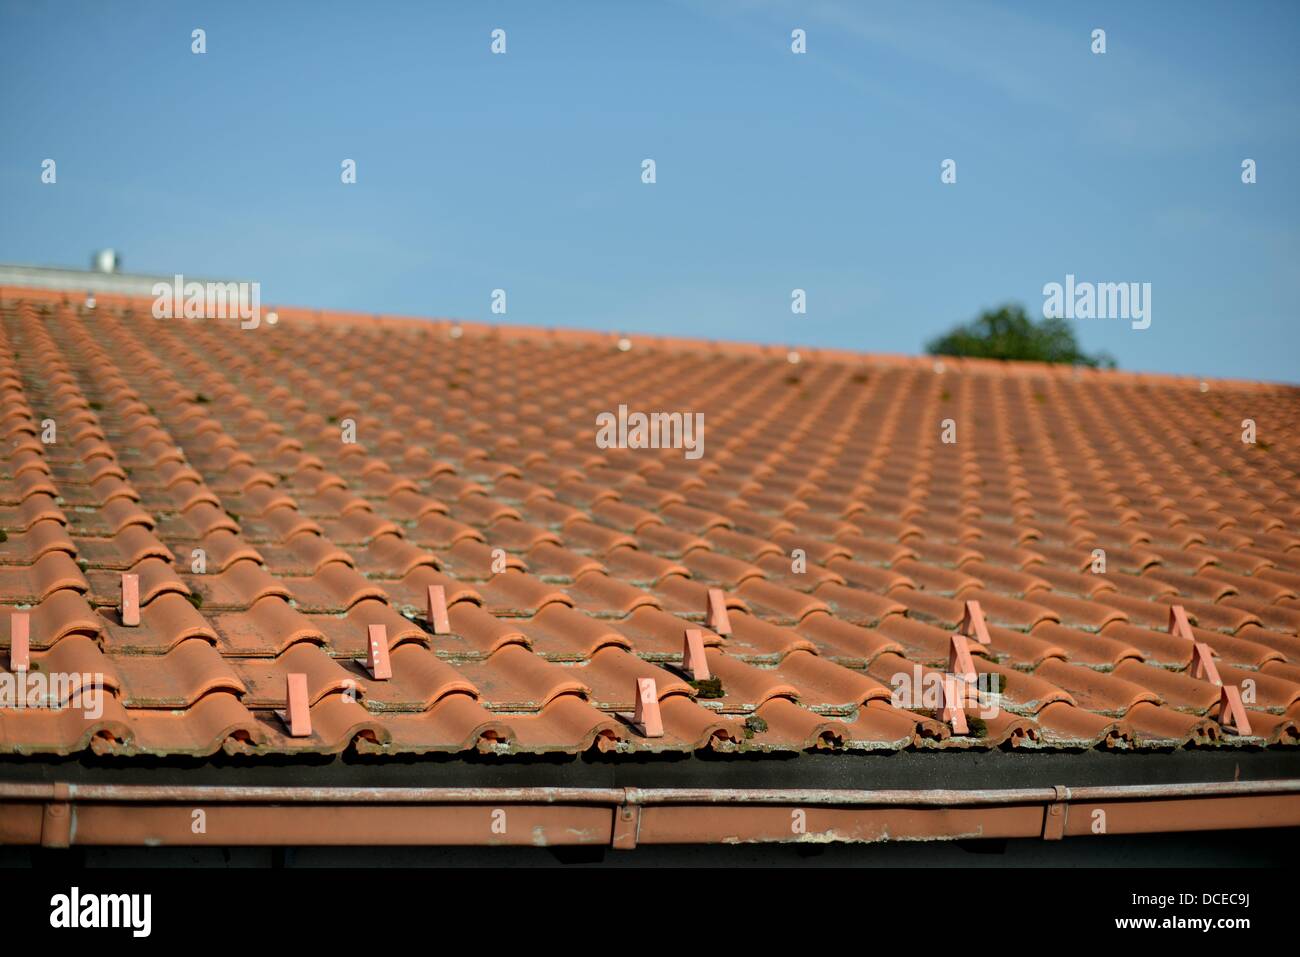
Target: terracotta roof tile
{"type": "Point", "coordinates": [845, 538]}
{"type": "Point", "coordinates": [188, 671]}
{"type": "Point", "coordinates": [164, 622]}
{"type": "Point", "coordinates": [24, 548]}
{"type": "Point", "coordinates": [561, 633]}
{"type": "Point", "coordinates": [32, 584]}
{"type": "Point", "coordinates": [345, 635]}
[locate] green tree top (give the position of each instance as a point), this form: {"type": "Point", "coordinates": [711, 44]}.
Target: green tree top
{"type": "Point", "coordinates": [1008, 333]}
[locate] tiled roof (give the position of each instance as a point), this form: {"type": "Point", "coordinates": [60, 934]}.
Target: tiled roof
{"type": "Point", "coordinates": [844, 536]}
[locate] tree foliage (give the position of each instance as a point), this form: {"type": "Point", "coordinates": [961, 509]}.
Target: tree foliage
{"type": "Point", "coordinates": [1007, 333]}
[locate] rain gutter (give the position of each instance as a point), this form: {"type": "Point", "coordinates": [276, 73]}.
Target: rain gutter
{"type": "Point", "coordinates": [64, 815]}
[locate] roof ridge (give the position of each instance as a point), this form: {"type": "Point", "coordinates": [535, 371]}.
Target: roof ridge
{"type": "Point", "coordinates": [795, 354]}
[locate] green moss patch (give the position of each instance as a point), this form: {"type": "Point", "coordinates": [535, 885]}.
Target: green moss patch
{"type": "Point", "coordinates": [708, 688]}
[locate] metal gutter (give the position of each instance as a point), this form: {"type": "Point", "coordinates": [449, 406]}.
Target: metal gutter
{"type": "Point", "coordinates": [632, 795]}
{"type": "Point", "coordinates": [63, 815]}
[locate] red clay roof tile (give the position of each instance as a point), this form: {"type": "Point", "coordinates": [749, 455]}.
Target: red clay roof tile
{"type": "Point", "coordinates": [845, 536]}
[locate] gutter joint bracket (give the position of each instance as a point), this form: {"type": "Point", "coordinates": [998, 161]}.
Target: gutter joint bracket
{"type": "Point", "coordinates": [1056, 813]}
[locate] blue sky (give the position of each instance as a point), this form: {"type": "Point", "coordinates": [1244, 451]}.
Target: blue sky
{"type": "Point", "coordinates": [775, 171]}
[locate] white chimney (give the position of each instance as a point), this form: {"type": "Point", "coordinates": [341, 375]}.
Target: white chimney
{"type": "Point", "coordinates": [105, 260]}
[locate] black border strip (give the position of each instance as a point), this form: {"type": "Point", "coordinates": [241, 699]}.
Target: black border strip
{"type": "Point", "coordinates": [900, 769]}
